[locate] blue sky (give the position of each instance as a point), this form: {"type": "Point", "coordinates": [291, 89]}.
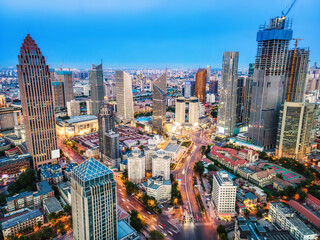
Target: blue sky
{"type": "Point", "coordinates": [147, 33]}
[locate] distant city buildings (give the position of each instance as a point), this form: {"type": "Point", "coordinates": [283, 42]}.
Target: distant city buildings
{"type": "Point", "coordinates": [94, 202]}
{"type": "Point", "coordinates": [97, 88]}
{"type": "Point", "coordinates": [228, 95]}
{"type": "Point", "coordinates": [37, 104]}
{"type": "Point", "coordinates": [124, 96]}
{"type": "Point", "coordinates": [159, 101]}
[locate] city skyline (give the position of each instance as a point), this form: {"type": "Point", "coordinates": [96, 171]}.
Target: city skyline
{"type": "Point", "coordinates": [66, 39]}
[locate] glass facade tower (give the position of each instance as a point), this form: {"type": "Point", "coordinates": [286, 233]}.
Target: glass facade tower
{"type": "Point", "coordinates": [97, 88]}
{"type": "Point", "coordinates": [159, 101]}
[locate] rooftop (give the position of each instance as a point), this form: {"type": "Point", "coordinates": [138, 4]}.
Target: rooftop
{"type": "Point", "coordinates": [52, 204]}
{"type": "Point", "coordinates": [91, 169]}
{"type": "Point", "coordinates": [81, 118]}
{"type": "Point", "coordinates": [125, 230]}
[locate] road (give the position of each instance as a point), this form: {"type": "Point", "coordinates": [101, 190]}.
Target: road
{"type": "Point", "coordinates": [201, 226]}
{"type": "Point", "coordinates": [69, 152]}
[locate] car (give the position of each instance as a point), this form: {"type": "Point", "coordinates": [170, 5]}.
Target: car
{"type": "Point", "coordinates": [149, 212]}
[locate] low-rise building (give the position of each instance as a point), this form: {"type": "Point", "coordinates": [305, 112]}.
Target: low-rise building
{"type": "Point", "coordinates": [78, 125]}
{"type": "Point", "coordinates": [280, 184]}
{"type": "Point", "coordinates": [29, 199]}
{"type": "Point", "coordinates": [263, 178]}
{"type": "Point", "coordinates": [174, 150]}
{"type": "Point", "coordinates": [25, 221]}
{"type": "Point", "coordinates": [246, 172]}
{"type": "Point", "coordinates": [14, 165]}
{"type": "Point", "coordinates": [52, 205]}
{"type": "Point", "coordinates": [158, 188]}
{"type": "Point", "coordinates": [228, 157]}
{"type": "Point", "coordinates": [249, 155]}
{"type": "Point", "coordinates": [126, 232]}
{"type": "Point", "coordinates": [68, 169]}
{"type": "Point", "coordinates": [313, 202]}
{"type": "Point", "coordinates": [65, 192]}
{"type": "Point", "coordinates": [287, 219]}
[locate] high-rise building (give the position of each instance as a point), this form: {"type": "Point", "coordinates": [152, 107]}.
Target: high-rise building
{"type": "Point", "coordinates": [296, 75]}
{"type": "Point", "coordinates": [228, 94]}
{"type": "Point", "coordinates": [97, 88]}
{"type": "Point", "coordinates": [73, 108]}
{"type": "Point", "coordinates": [148, 152]}
{"type": "Point", "coordinates": [180, 112]}
{"type": "Point", "coordinates": [269, 75]}
{"type": "Point", "coordinates": [251, 70]}
{"type": "Point", "coordinates": [136, 166]}
{"type": "Point", "coordinates": [224, 194]}
{"type": "Point", "coordinates": [247, 96]}
{"type": "Point", "coordinates": [89, 104]}
{"type": "Point", "coordinates": [200, 87]}
{"type": "Point", "coordinates": [161, 164]}
{"type": "Point", "coordinates": [159, 101]}
{"type": "Point", "coordinates": [94, 202]}
{"type": "Point", "coordinates": [295, 134]}
{"type": "Point", "coordinates": [10, 117]}
{"type": "Point", "coordinates": [194, 111]}
{"type": "Point", "coordinates": [124, 96]}
{"type": "Point", "coordinates": [62, 87]}
{"type": "Point", "coordinates": [188, 89]}
{"type": "Point", "coordinates": [213, 87]}
{"type": "Point", "coordinates": [37, 104]}
{"type": "Point", "coordinates": [240, 99]}
{"type": "Point", "coordinates": [208, 73]}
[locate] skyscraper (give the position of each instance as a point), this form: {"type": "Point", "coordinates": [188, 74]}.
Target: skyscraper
{"type": "Point", "coordinates": [159, 101]}
{"type": "Point", "coordinates": [247, 100]}
{"type": "Point", "coordinates": [94, 202]}
{"type": "Point", "coordinates": [62, 87]}
{"type": "Point", "coordinates": [124, 96]}
{"type": "Point", "coordinates": [200, 87]}
{"type": "Point", "coordinates": [213, 87]}
{"type": "Point", "coordinates": [188, 89]}
{"type": "Point", "coordinates": [37, 104]}
{"type": "Point", "coordinates": [228, 94]}
{"type": "Point", "coordinates": [240, 99]}
{"type": "Point", "coordinates": [296, 75]}
{"type": "Point", "coordinates": [97, 88]}
{"type": "Point", "coordinates": [194, 111]}
{"type": "Point", "coordinates": [208, 73]}
{"type": "Point", "coordinates": [295, 134]}
{"type": "Point", "coordinates": [269, 75]}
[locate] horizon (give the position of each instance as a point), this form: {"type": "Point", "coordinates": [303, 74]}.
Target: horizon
{"type": "Point", "coordinates": [144, 34]}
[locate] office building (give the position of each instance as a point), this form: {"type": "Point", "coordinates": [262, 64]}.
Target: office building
{"type": "Point", "coordinates": [110, 90]}
{"type": "Point", "coordinates": [208, 73]}
{"type": "Point", "coordinates": [159, 101]}
{"type": "Point", "coordinates": [224, 194]}
{"type": "Point", "coordinates": [200, 85]}
{"type": "Point", "coordinates": [295, 134]}
{"type": "Point", "coordinates": [296, 75]}
{"type": "Point", "coordinates": [240, 99]}
{"type": "Point", "coordinates": [161, 164]}
{"type": "Point", "coordinates": [136, 166]}
{"type": "Point", "coordinates": [37, 104]}
{"type": "Point", "coordinates": [194, 111]}
{"type": "Point", "coordinates": [180, 111]}
{"type": "Point", "coordinates": [228, 94]}
{"type": "Point", "coordinates": [269, 75]}
{"type": "Point", "coordinates": [97, 88]}
{"type": "Point", "coordinates": [285, 217]}
{"type": "Point", "coordinates": [213, 87]}
{"type": "Point", "coordinates": [62, 87]}
{"type": "Point", "coordinates": [73, 108]}
{"type": "Point", "coordinates": [247, 96]}
{"type": "Point", "coordinates": [94, 202]}
{"type": "Point", "coordinates": [188, 89]}
{"type": "Point", "coordinates": [150, 150]}
{"type": "Point", "coordinates": [111, 149]}
{"type": "Point", "coordinates": [10, 117]}
{"type": "Point", "coordinates": [124, 96]}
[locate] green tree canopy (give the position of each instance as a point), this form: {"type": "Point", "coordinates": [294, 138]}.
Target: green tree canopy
{"type": "Point", "coordinates": [156, 235]}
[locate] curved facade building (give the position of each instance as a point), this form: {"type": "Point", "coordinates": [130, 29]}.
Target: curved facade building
{"type": "Point", "coordinates": [200, 87]}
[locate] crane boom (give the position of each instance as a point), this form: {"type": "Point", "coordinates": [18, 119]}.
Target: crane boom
{"type": "Point", "coordinates": [284, 14]}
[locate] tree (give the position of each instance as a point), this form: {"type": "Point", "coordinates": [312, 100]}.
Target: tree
{"type": "Point", "coordinates": [67, 209]}
{"type": "Point", "coordinates": [52, 216]}
{"type": "Point", "coordinates": [39, 224]}
{"type": "Point", "coordinates": [47, 233]}
{"type": "Point", "coordinates": [259, 214]}
{"type": "Point", "coordinates": [246, 211]}
{"type": "Point", "coordinates": [2, 199]}
{"type": "Point", "coordinates": [171, 177]}
{"type": "Point", "coordinates": [132, 188]}
{"type": "Point", "coordinates": [221, 229]}
{"type": "Point", "coordinates": [211, 167]}
{"type": "Point", "coordinates": [125, 174]}
{"type": "Point", "coordinates": [156, 235]}
{"type": "Point", "coordinates": [136, 220]}
{"type": "Point", "coordinates": [25, 182]}
{"type": "Point", "coordinates": [199, 167]}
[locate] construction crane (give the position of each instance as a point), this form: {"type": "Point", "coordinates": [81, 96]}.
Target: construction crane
{"type": "Point", "coordinates": [284, 14]}
{"type": "Point", "coordinates": [292, 68]}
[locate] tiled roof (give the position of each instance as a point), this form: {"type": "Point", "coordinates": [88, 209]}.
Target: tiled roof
{"type": "Point", "coordinates": [313, 199]}
{"type": "Point", "coordinates": [91, 169]}
{"type": "Point", "coordinates": [305, 212]}
{"type": "Point", "coordinates": [233, 158]}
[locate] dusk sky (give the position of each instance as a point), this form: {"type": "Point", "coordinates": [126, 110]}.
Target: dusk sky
{"type": "Point", "coordinates": [148, 33]}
